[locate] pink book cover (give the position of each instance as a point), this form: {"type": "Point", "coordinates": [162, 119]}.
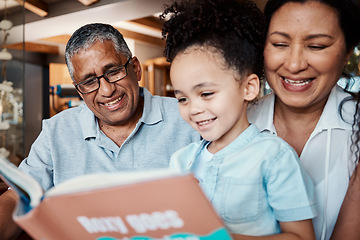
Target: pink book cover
{"type": "Point", "coordinates": [169, 208]}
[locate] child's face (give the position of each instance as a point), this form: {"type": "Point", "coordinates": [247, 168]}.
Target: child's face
{"type": "Point", "coordinates": [210, 99]}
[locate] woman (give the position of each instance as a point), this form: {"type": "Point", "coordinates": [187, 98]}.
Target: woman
{"type": "Point", "coordinates": [307, 47]}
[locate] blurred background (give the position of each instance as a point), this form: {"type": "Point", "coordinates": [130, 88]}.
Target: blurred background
{"type": "Point", "coordinates": [34, 81]}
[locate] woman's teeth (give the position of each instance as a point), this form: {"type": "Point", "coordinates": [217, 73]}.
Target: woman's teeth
{"type": "Point", "coordinates": [297, 82]}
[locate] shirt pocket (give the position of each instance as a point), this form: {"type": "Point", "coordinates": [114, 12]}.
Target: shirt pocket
{"type": "Point", "coordinates": [242, 199]}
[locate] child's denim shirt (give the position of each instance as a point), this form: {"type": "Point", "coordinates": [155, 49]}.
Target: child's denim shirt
{"type": "Point", "coordinates": [253, 183]}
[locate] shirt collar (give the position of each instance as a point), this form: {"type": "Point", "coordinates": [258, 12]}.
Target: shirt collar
{"type": "Point", "coordinates": [243, 140]}
{"type": "Point", "coordinates": [152, 111]}
{"type": "Point", "coordinates": [237, 144]}
{"type": "Point", "coordinates": [88, 122]}
{"type": "Point", "coordinates": [262, 113]}
{"type": "Point", "coordinates": [330, 118]}
{"type": "Point", "coordinates": [263, 116]}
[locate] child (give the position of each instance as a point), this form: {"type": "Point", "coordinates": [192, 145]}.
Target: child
{"type": "Point", "coordinates": [252, 179]}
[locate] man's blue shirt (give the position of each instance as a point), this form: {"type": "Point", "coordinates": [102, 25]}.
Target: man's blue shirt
{"type": "Point", "coordinates": [71, 143]}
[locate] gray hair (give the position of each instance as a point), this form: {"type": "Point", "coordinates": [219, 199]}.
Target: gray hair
{"type": "Point", "coordinates": [87, 35]}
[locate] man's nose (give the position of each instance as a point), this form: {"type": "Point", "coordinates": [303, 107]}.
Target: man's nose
{"type": "Point", "coordinates": [106, 88]}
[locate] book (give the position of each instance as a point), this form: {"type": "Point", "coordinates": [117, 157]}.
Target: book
{"type": "Point", "coordinates": [161, 204]}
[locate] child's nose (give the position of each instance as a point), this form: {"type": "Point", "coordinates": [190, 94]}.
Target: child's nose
{"type": "Point", "coordinates": [196, 107]}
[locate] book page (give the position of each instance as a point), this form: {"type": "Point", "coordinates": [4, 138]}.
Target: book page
{"type": "Point", "coordinates": [101, 180]}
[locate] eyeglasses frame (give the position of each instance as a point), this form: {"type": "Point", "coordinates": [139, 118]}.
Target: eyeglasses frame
{"type": "Point", "coordinates": [103, 76]}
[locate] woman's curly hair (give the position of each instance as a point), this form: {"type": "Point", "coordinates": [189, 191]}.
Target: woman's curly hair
{"type": "Point", "coordinates": [235, 28]}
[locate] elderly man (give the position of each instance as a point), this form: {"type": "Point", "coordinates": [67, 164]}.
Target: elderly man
{"type": "Point", "coordinates": [121, 126]}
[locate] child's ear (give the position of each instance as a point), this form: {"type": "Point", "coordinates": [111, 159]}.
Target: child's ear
{"type": "Point", "coordinates": [251, 87]}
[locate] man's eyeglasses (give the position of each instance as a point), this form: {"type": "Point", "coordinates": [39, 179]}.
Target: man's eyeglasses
{"type": "Point", "coordinates": [110, 76]}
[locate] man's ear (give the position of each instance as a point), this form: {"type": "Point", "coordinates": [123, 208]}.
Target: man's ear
{"type": "Point", "coordinates": [251, 87]}
{"type": "Point", "coordinates": [137, 67]}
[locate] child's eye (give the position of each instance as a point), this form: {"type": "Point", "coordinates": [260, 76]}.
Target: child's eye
{"type": "Point", "coordinates": [206, 94]}
{"type": "Point", "coordinates": [182, 100]}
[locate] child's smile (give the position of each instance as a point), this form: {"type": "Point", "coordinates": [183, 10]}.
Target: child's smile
{"type": "Point", "coordinates": [205, 122]}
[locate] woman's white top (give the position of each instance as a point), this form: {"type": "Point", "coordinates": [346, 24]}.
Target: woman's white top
{"type": "Point", "coordinates": [326, 155]}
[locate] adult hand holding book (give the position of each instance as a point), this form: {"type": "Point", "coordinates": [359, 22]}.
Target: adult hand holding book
{"type": "Point", "coordinates": [152, 204]}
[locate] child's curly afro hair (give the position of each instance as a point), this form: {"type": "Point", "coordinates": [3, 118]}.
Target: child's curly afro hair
{"type": "Point", "coordinates": [236, 28]}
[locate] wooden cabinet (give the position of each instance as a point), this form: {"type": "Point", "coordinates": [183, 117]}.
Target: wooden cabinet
{"type": "Point", "coordinates": [59, 77]}
{"type": "Point", "coordinates": [156, 77]}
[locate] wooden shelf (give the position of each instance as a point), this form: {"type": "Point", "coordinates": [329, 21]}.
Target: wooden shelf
{"type": "Point", "coordinates": [156, 77]}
